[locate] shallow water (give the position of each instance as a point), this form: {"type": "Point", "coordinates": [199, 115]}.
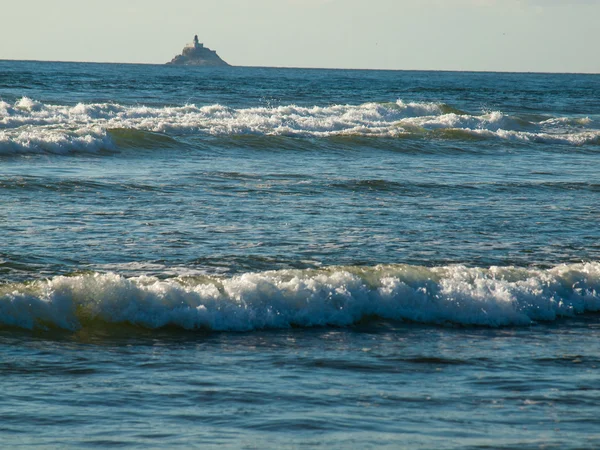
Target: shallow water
{"type": "Point", "coordinates": [376, 384]}
{"type": "Point", "coordinates": [285, 257]}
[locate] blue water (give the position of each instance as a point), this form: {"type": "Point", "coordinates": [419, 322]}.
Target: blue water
{"type": "Point", "coordinates": [256, 257]}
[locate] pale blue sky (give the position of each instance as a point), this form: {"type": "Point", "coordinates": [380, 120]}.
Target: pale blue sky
{"type": "Point", "coordinates": [503, 35]}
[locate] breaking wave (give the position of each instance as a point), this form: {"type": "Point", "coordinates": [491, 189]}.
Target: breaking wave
{"type": "Point", "coordinates": [335, 296]}
{"type": "Point", "coordinates": [28, 126]}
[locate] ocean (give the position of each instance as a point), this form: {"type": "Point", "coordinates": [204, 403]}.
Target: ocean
{"type": "Point", "coordinates": [289, 258]}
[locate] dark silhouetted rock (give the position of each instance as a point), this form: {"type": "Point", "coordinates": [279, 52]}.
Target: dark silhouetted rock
{"type": "Point", "coordinates": [196, 54]}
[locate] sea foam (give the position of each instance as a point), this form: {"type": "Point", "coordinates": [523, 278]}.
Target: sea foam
{"type": "Point", "coordinates": [335, 296]}
{"type": "Point", "coordinates": [28, 126]}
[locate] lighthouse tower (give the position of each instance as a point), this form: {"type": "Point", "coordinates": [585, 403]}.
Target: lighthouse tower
{"type": "Point", "coordinates": [196, 43]}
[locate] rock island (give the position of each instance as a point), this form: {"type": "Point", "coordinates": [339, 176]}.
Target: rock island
{"type": "Point", "coordinates": [196, 54]}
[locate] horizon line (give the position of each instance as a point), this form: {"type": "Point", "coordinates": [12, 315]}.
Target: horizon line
{"type": "Point", "coordinates": [231, 66]}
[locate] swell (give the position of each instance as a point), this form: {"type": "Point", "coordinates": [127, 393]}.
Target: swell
{"type": "Point", "coordinates": [335, 296]}
{"type": "Point", "coordinates": [28, 126]}
{"type": "Point", "coordinates": [29, 183]}
{"type": "Point", "coordinates": [379, 185]}
{"type": "Point", "coordinates": [285, 182]}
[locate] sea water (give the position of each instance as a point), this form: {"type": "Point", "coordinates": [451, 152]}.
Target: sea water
{"type": "Point", "coordinates": [261, 257]}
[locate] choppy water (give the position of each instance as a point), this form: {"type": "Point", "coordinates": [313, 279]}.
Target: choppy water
{"type": "Point", "coordinates": [285, 257]}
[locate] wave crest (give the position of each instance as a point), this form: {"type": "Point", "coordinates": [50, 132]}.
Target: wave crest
{"type": "Point", "coordinates": [337, 296]}
{"type": "Point", "coordinates": [30, 126]}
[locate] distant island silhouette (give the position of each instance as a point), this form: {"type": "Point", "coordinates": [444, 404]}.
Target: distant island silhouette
{"type": "Point", "coordinates": [196, 54]}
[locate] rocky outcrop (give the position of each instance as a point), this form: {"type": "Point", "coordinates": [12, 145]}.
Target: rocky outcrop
{"type": "Point", "coordinates": [196, 54]}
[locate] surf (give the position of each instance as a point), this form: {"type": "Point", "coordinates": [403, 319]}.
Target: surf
{"type": "Point", "coordinates": [29, 126]}
{"type": "Point", "coordinates": [333, 296]}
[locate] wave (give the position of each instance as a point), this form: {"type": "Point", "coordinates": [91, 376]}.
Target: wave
{"type": "Point", "coordinates": [31, 140]}
{"type": "Point", "coordinates": [28, 126]}
{"type": "Point", "coordinates": [335, 296]}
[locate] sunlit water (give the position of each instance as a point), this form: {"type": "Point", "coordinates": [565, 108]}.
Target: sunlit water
{"type": "Point", "coordinates": [253, 257]}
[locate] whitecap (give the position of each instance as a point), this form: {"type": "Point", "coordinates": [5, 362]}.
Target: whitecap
{"type": "Point", "coordinates": [339, 296]}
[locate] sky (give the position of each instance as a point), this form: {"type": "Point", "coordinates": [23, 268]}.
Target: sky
{"type": "Point", "coordinates": [479, 35]}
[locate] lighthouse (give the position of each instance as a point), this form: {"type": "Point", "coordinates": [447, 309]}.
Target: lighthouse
{"type": "Point", "coordinates": [196, 43]}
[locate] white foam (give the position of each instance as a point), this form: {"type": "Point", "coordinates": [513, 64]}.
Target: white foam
{"type": "Point", "coordinates": [52, 140]}
{"type": "Point", "coordinates": [30, 126]}
{"type": "Point", "coordinates": [340, 296]}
